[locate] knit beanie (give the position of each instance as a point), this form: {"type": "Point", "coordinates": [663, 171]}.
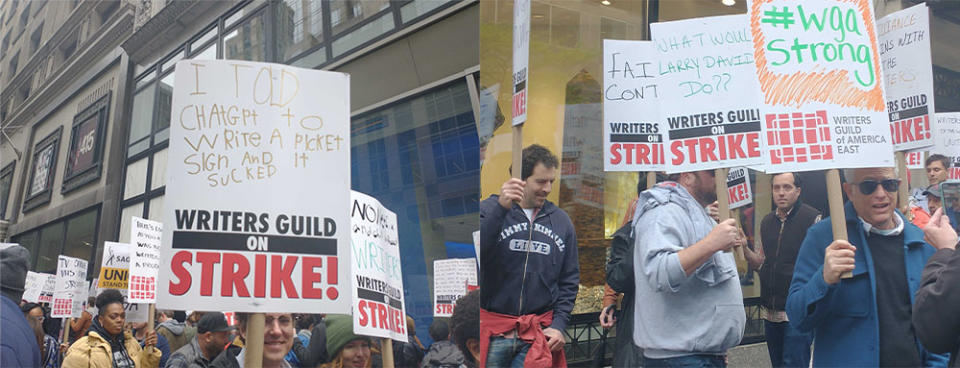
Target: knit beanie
{"type": "Point", "coordinates": [14, 261]}
{"type": "Point", "coordinates": [339, 333]}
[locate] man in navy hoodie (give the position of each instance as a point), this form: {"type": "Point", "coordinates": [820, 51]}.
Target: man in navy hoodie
{"type": "Point", "coordinates": [529, 273]}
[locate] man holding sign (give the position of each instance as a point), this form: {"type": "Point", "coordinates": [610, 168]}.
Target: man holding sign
{"type": "Point", "coordinates": [529, 261]}
{"type": "Point", "coordinates": [863, 320]}
{"type": "Point", "coordinates": [688, 299]}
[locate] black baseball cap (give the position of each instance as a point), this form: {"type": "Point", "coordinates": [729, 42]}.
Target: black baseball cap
{"type": "Point", "coordinates": [934, 190]}
{"type": "Point", "coordinates": [213, 322]}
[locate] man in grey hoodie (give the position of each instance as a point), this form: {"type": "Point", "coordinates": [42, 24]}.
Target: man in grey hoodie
{"type": "Point", "coordinates": [177, 333]}
{"type": "Point", "coordinates": [689, 306]}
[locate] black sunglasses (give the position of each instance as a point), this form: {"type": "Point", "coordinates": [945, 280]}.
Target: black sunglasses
{"type": "Point", "coordinates": [868, 186]}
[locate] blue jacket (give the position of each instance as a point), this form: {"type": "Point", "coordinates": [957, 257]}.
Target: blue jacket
{"type": "Point", "coordinates": [552, 268]}
{"type": "Point", "coordinates": [18, 344]}
{"type": "Point", "coordinates": [844, 315]}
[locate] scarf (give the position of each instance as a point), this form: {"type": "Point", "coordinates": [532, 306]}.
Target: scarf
{"type": "Point", "coordinates": [120, 358]}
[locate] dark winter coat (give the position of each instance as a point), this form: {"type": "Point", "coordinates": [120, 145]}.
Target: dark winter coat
{"type": "Point", "coordinates": [935, 318]}
{"type": "Point", "coordinates": [442, 354]}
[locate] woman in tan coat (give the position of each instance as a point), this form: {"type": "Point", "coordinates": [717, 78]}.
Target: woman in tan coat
{"type": "Point", "coordinates": [107, 345]}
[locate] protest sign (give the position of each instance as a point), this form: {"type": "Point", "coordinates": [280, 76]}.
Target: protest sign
{"type": "Point", "coordinates": [114, 267]}
{"type": "Point", "coordinates": [915, 158]}
{"type": "Point", "coordinates": [378, 308]}
{"type": "Point", "coordinates": [33, 286]}
{"type": "Point", "coordinates": [452, 279]}
{"type": "Point", "coordinates": [820, 78]}
{"type": "Point", "coordinates": [948, 140]}
{"type": "Point", "coordinates": [115, 274]}
{"type": "Point", "coordinates": [144, 260]}
{"type": "Point", "coordinates": [738, 187]}
{"type": "Point", "coordinates": [257, 192]}
{"type": "Point", "coordinates": [46, 293]}
{"type": "Point", "coordinates": [632, 140]}
{"type": "Point", "coordinates": [521, 56]}
{"type": "Point", "coordinates": [70, 285]}
{"type": "Point", "coordinates": [904, 39]}
{"type": "Point", "coordinates": [708, 91]}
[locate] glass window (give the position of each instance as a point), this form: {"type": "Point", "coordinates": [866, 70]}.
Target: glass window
{"type": "Point", "coordinates": [125, 215]}
{"type": "Point", "coordinates": [300, 27]}
{"type": "Point", "coordinates": [202, 40]}
{"type": "Point", "coordinates": [347, 13]}
{"type": "Point", "coordinates": [164, 104]}
{"type": "Point", "coordinates": [171, 62]}
{"type": "Point", "coordinates": [51, 239]}
{"type": "Point", "coordinates": [363, 34]}
{"type": "Point", "coordinates": [247, 40]}
{"type": "Point", "coordinates": [81, 236]}
{"type": "Point", "coordinates": [142, 118]}
{"type": "Point", "coordinates": [393, 150]}
{"type": "Point", "coordinates": [209, 53]}
{"type": "Point", "coordinates": [6, 181]}
{"type": "Point", "coordinates": [417, 8]}
{"type": "Point", "coordinates": [313, 59]}
{"type": "Point", "coordinates": [30, 241]}
{"type": "Point", "coordinates": [156, 209]}
{"type": "Point", "coordinates": [159, 175]}
{"type": "Point", "coordinates": [136, 181]}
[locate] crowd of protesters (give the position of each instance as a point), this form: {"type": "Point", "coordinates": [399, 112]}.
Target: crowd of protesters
{"type": "Point", "coordinates": [206, 339]}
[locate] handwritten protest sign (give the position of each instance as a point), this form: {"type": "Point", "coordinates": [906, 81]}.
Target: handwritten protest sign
{"type": "Point", "coordinates": [738, 187]}
{"type": "Point", "coordinates": [378, 308]}
{"type": "Point", "coordinates": [632, 139]}
{"type": "Point", "coordinates": [71, 285]}
{"type": "Point", "coordinates": [521, 58]}
{"type": "Point", "coordinates": [708, 93]}
{"type": "Point", "coordinates": [258, 182]}
{"type": "Point", "coordinates": [33, 286]}
{"type": "Point", "coordinates": [144, 260]}
{"type": "Point", "coordinates": [452, 279]}
{"type": "Point", "coordinates": [904, 39]}
{"type": "Point", "coordinates": [46, 293]}
{"type": "Point", "coordinates": [819, 73]}
{"type": "Point", "coordinates": [948, 140]}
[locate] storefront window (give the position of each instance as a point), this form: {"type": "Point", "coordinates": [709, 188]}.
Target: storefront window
{"type": "Point", "coordinates": [51, 240]}
{"type": "Point", "coordinates": [418, 157]}
{"type": "Point", "coordinates": [80, 236]}
{"type": "Point", "coordinates": [141, 120]}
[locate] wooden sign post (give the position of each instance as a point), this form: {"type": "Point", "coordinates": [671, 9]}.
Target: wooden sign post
{"type": "Point", "coordinates": [387, 353]}
{"type": "Point", "coordinates": [903, 196]}
{"type": "Point", "coordinates": [838, 218]}
{"type": "Point", "coordinates": [253, 340]}
{"type": "Point", "coordinates": [651, 179]}
{"type": "Point", "coordinates": [66, 331]}
{"type": "Point", "coordinates": [151, 316]}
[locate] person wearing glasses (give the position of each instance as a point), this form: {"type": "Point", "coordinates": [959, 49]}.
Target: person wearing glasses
{"type": "Point", "coordinates": [862, 320]}
{"type": "Point", "coordinates": [277, 341]}
{"type": "Point", "coordinates": [49, 346]}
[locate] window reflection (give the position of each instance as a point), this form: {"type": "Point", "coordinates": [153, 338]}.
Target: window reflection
{"type": "Point", "coordinates": [299, 25]}
{"type": "Point", "coordinates": [347, 13]}
{"type": "Point", "coordinates": [247, 40]}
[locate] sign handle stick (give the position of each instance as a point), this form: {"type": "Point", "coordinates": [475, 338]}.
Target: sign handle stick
{"type": "Point", "coordinates": [150, 317]}
{"type": "Point", "coordinates": [256, 324]}
{"type": "Point", "coordinates": [66, 331]}
{"type": "Point", "coordinates": [903, 198]}
{"type": "Point", "coordinates": [651, 179]}
{"type": "Point", "coordinates": [387, 353]}
{"type": "Point", "coordinates": [517, 168]}
{"type": "Point", "coordinates": [838, 218]}
{"type": "Point", "coordinates": [723, 199]}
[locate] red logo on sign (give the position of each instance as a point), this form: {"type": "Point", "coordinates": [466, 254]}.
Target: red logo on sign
{"type": "Point", "coordinates": [798, 137]}
{"type": "Point", "coordinates": [520, 103]}
{"type": "Point", "coordinates": [62, 307]}
{"type": "Point", "coordinates": [142, 287]}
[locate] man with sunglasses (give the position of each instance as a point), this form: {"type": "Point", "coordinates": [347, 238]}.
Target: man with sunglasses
{"type": "Point", "coordinates": [863, 320]}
